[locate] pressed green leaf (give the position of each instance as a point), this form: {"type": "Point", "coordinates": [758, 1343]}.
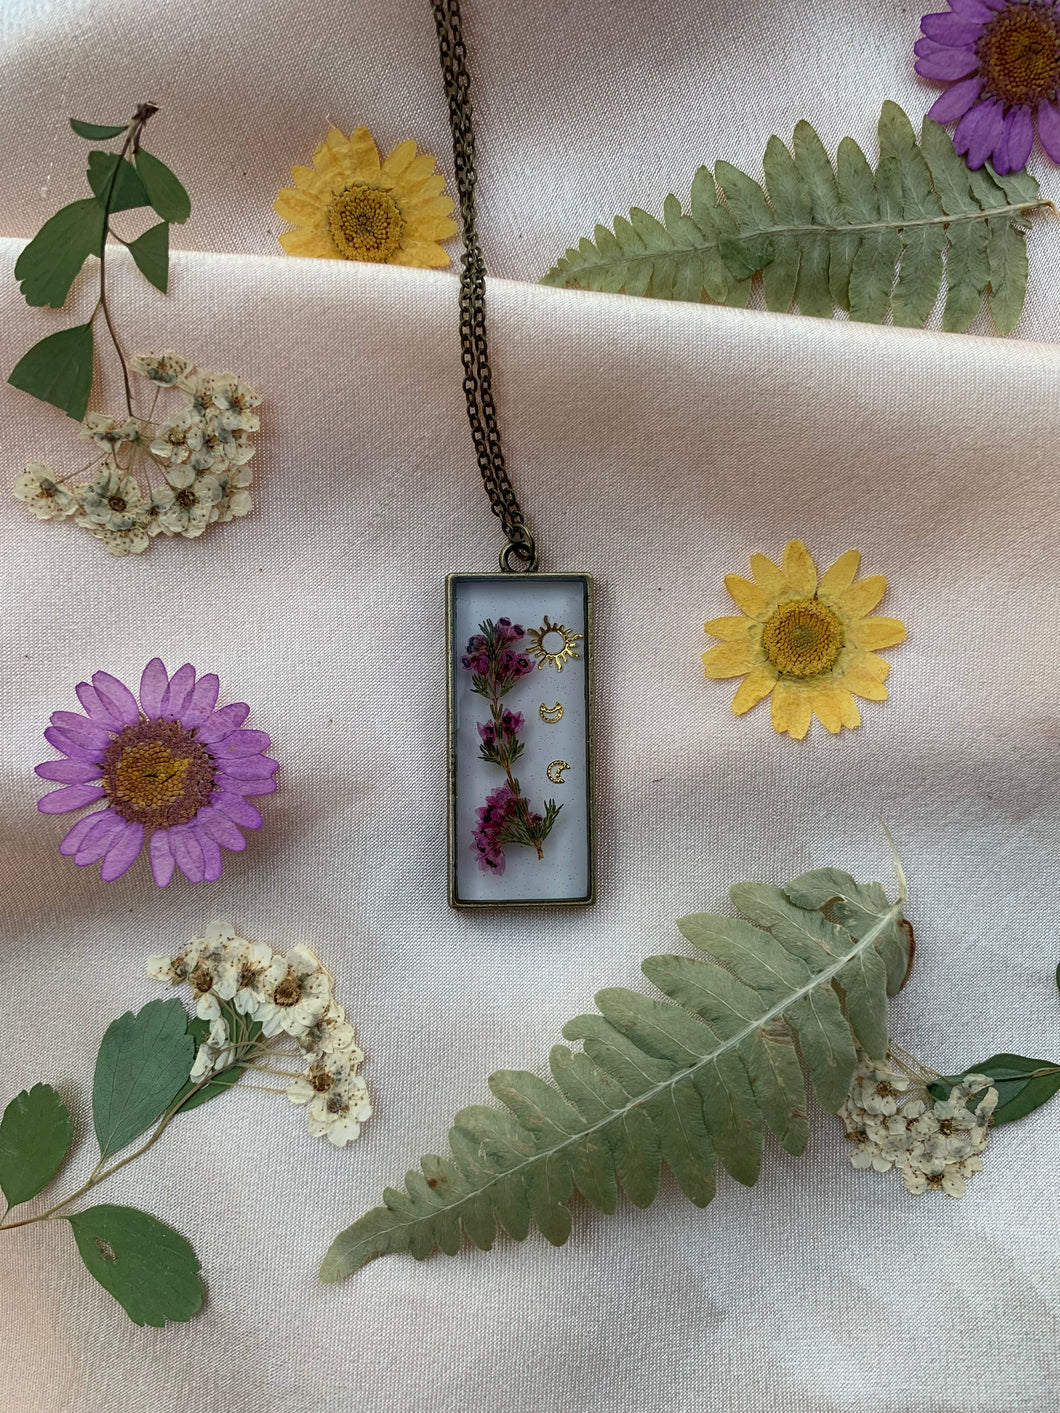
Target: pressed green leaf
{"type": "Point", "coordinates": [35, 1136]}
{"type": "Point", "coordinates": [149, 1268]}
{"type": "Point", "coordinates": [151, 253]}
{"type": "Point", "coordinates": [53, 259]}
{"type": "Point", "coordinates": [114, 180]}
{"type": "Point", "coordinates": [857, 907]}
{"type": "Point", "coordinates": [1022, 1084]}
{"type": "Point", "coordinates": [97, 132]}
{"type": "Point", "coordinates": [872, 241]}
{"type": "Point", "coordinates": [687, 1081]}
{"type": "Point", "coordinates": [142, 1065]}
{"type": "Point", "coordinates": [166, 193]}
{"type": "Point", "coordinates": [58, 370]}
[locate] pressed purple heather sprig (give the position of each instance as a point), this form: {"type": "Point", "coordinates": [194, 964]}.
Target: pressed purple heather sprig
{"type": "Point", "coordinates": [506, 817]}
{"type": "Point", "coordinates": [1002, 58]}
{"type": "Point", "coordinates": [169, 765]}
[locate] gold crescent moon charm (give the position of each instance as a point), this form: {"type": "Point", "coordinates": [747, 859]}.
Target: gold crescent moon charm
{"type": "Point", "coordinates": [550, 713]}
{"type": "Point", "coordinates": [555, 771]}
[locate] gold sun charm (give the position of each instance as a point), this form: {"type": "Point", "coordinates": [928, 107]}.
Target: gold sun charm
{"type": "Point", "coordinates": [552, 644]}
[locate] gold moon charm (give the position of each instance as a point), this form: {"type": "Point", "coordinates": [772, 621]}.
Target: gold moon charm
{"type": "Point", "coordinates": [552, 644]}
{"type": "Point", "coordinates": [555, 771]}
{"type": "Point", "coordinates": [550, 713]}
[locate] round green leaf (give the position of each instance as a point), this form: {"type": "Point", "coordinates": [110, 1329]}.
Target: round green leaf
{"type": "Point", "coordinates": [35, 1135]}
{"type": "Point", "coordinates": [143, 1062]}
{"type": "Point", "coordinates": [167, 195]}
{"type": "Point", "coordinates": [58, 370]}
{"type": "Point", "coordinates": [149, 1268]}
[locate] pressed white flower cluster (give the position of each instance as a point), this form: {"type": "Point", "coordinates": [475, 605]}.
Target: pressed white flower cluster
{"type": "Point", "coordinates": [257, 1000]}
{"type": "Point", "coordinates": [934, 1144]}
{"type": "Point", "coordinates": [199, 455]}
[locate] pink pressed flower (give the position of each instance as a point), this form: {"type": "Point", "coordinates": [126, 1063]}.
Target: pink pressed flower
{"type": "Point", "coordinates": [170, 767]}
{"type": "Point", "coordinates": [1003, 59]}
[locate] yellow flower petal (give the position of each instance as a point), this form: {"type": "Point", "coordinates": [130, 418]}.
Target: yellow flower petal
{"type": "Point", "coordinates": [840, 575]}
{"type": "Point", "coordinates": [422, 254]}
{"type": "Point", "coordinates": [868, 664]}
{"type": "Point", "coordinates": [768, 576]}
{"type": "Point", "coordinates": [756, 685]}
{"type": "Point", "coordinates": [791, 711]}
{"type": "Point", "coordinates": [746, 595]}
{"type": "Point", "coordinates": [298, 206]}
{"type": "Point", "coordinates": [798, 568]}
{"type": "Point", "coordinates": [848, 708]}
{"type": "Point", "coordinates": [728, 629]}
{"type": "Point", "coordinates": [865, 685]}
{"type": "Point", "coordinates": [728, 660]}
{"type": "Point", "coordinates": [862, 597]}
{"type": "Point", "coordinates": [363, 153]}
{"type": "Point", "coordinates": [398, 162]}
{"type": "Point", "coordinates": [826, 708]}
{"type": "Point", "coordinates": [310, 243]}
{"type": "Point", "coordinates": [878, 633]}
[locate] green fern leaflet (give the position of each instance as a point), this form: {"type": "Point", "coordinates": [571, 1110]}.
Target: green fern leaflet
{"type": "Point", "coordinates": [862, 239]}
{"type": "Point", "coordinates": [690, 1080]}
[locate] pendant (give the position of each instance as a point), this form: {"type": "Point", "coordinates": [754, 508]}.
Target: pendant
{"type": "Point", "coordinates": [520, 786]}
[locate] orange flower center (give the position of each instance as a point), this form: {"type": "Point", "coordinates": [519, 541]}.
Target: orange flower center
{"type": "Point", "coordinates": [156, 774]}
{"type": "Point", "coordinates": [366, 223]}
{"type": "Point", "coordinates": [802, 638]}
{"type": "Point", "coordinates": [1020, 54]}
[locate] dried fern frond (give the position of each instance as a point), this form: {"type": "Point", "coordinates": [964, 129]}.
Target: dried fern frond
{"type": "Point", "coordinates": [687, 1080]}
{"type": "Point", "coordinates": [863, 239]}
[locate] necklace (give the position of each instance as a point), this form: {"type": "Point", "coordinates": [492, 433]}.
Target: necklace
{"type": "Point", "coordinates": [520, 800]}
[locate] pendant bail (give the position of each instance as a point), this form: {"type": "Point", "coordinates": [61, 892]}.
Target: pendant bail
{"type": "Point", "coordinates": [519, 555]}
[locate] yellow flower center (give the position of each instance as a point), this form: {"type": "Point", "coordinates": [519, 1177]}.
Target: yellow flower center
{"type": "Point", "coordinates": [155, 773]}
{"type": "Point", "coordinates": [366, 223]}
{"type": "Point", "coordinates": [802, 638]}
{"type": "Point", "coordinates": [1020, 54]}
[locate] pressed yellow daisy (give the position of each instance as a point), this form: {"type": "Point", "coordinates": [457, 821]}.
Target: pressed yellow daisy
{"type": "Point", "coordinates": [350, 205]}
{"type": "Point", "coordinates": [809, 642]}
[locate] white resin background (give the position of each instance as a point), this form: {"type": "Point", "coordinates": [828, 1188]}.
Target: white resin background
{"type": "Point", "coordinates": [652, 445]}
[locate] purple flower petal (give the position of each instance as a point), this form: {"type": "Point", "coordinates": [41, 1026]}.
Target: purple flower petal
{"type": "Point", "coordinates": [1017, 142]}
{"type": "Point", "coordinates": [187, 852]}
{"type": "Point", "coordinates": [116, 698]}
{"type": "Point", "coordinates": [211, 853]}
{"type": "Point", "coordinates": [238, 810]}
{"type": "Point", "coordinates": [222, 723]}
{"type": "Point", "coordinates": [161, 856]}
{"type": "Point", "coordinates": [927, 48]}
{"type": "Point", "coordinates": [948, 64]}
{"type": "Point", "coordinates": [202, 701]}
{"type": "Point", "coordinates": [176, 695]}
{"type": "Point", "coordinates": [81, 730]}
{"type": "Point", "coordinates": [952, 29]}
{"type": "Point", "coordinates": [956, 101]}
{"type": "Point", "coordinates": [249, 768]}
{"type": "Point", "coordinates": [97, 841]}
{"type": "Point", "coordinates": [974, 9]}
{"type": "Point", "coordinates": [123, 852]}
{"type": "Point", "coordinates": [89, 699]}
{"type": "Point", "coordinates": [76, 836]}
{"type": "Point", "coordinates": [153, 683]}
{"type": "Point", "coordinates": [243, 787]}
{"type": "Point", "coordinates": [62, 741]}
{"type": "Point", "coordinates": [71, 797]}
{"type": "Point", "coordinates": [1049, 129]}
{"type": "Point", "coordinates": [979, 132]}
{"type": "Point", "coordinates": [70, 772]}
{"type": "Point", "coordinates": [241, 743]}
{"type": "Point", "coordinates": [220, 827]}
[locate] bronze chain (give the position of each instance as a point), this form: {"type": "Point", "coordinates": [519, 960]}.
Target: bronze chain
{"type": "Point", "coordinates": [519, 554]}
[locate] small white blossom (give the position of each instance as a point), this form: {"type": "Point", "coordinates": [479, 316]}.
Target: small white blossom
{"type": "Point", "coordinates": [177, 439]}
{"type": "Point", "coordinates": [339, 1114]}
{"type": "Point", "coordinates": [241, 975]}
{"type": "Point", "coordinates": [188, 511]}
{"type": "Point", "coordinates": [210, 1051]}
{"type": "Point", "coordinates": [297, 994]}
{"type": "Point", "coordinates": [110, 432]}
{"type": "Point", "coordinates": [331, 1037]}
{"type": "Point", "coordinates": [166, 369]}
{"type": "Point", "coordinates": [132, 539]}
{"type": "Point", "coordinates": [37, 488]}
{"type": "Point", "coordinates": [111, 500]}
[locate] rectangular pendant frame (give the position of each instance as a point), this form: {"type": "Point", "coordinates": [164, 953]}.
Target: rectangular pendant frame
{"type": "Point", "coordinates": [571, 857]}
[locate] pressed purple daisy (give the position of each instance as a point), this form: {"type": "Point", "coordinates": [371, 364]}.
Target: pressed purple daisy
{"type": "Point", "coordinates": [1003, 59]}
{"type": "Point", "coordinates": [170, 766]}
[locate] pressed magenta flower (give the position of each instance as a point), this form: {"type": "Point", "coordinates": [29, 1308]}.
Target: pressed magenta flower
{"type": "Point", "coordinates": [1003, 60]}
{"type": "Point", "coordinates": [173, 769]}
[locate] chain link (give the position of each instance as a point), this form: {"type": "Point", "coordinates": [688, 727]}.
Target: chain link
{"type": "Point", "coordinates": [519, 554]}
